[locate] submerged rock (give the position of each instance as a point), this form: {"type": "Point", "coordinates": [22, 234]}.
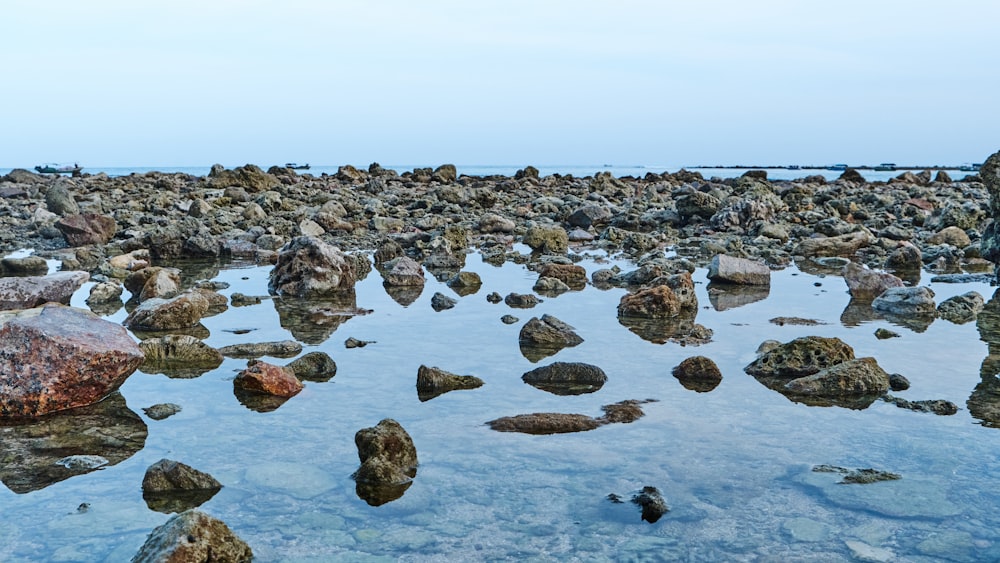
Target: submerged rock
{"type": "Point", "coordinates": [388, 462]}
{"type": "Point", "coordinates": [171, 486]}
{"type": "Point", "coordinates": [800, 357]}
{"type": "Point", "coordinates": [857, 476]}
{"type": "Point", "coordinates": [432, 381]}
{"type": "Point", "coordinates": [545, 423]}
{"type": "Point", "coordinates": [161, 411]}
{"type": "Point", "coordinates": [935, 406]}
{"type": "Point", "coordinates": [193, 536]}
{"type": "Point", "coordinates": [652, 504]}
{"type": "Point", "coordinates": [55, 357]}
{"type": "Point", "coordinates": [280, 349]}
{"type": "Point", "coordinates": [698, 373]}
{"type": "Point", "coordinates": [546, 336]}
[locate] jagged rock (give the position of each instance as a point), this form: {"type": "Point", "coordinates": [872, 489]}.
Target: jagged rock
{"type": "Point", "coordinates": [433, 381]}
{"type": "Point", "coordinates": [309, 267]}
{"type": "Point", "coordinates": [904, 258]}
{"type": "Point", "coordinates": [950, 235]}
{"type": "Point", "coordinates": [840, 245]}
{"type": "Point", "coordinates": [698, 373]}
{"type": "Point", "coordinates": [171, 486]}
{"type": "Point", "coordinates": [939, 407]}
{"type": "Point", "coordinates": [87, 228]}
{"type": "Point", "coordinates": [740, 271]}
{"type": "Point", "coordinates": [861, 376]}
{"type": "Point", "coordinates": [314, 366]}
{"type": "Point", "coordinates": [440, 301]}
{"type": "Point", "coordinates": [652, 504]}
{"type": "Point", "coordinates": [33, 291]}
{"type": "Point", "coordinates": [566, 378]}
{"type": "Point", "coordinates": [59, 200]}
{"type": "Point", "coordinates": [658, 302]}
{"type": "Point", "coordinates": [589, 215]}
{"type": "Point", "coordinates": [402, 272]}
{"type": "Point", "coordinates": [800, 357]}
{"type": "Point", "coordinates": [54, 358]}
{"type": "Point", "coordinates": [279, 349]}
{"type": "Point", "coordinates": [697, 204]}
{"type": "Point", "coordinates": [906, 301]}
{"type": "Point", "coordinates": [193, 536]}
{"type": "Point", "coordinates": [866, 284]}
{"type": "Point", "coordinates": [572, 275]}
{"type": "Point", "coordinates": [264, 378]}
{"type": "Point", "coordinates": [249, 177]}
{"type": "Point", "coordinates": [546, 336]}
{"type": "Point", "coordinates": [182, 311]}
{"type": "Point", "coordinates": [961, 308]}
{"type": "Point", "coordinates": [388, 461]}
{"type": "Point", "coordinates": [520, 301]}
{"type": "Point", "coordinates": [547, 239]}
{"type": "Point", "coordinates": [178, 355]}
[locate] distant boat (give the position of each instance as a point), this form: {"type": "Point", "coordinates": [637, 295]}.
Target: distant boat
{"type": "Point", "coordinates": [970, 167]}
{"type": "Point", "coordinates": [886, 167]}
{"type": "Point", "coordinates": [295, 166]}
{"type": "Point", "coordinates": [837, 167]}
{"type": "Point", "coordinates": [792, 167]}
{"type": "Point", "coordinates": [59, 169]}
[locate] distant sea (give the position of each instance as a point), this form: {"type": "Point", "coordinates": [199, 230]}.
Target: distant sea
{"type": "Point", "coordinates": [577, 170]}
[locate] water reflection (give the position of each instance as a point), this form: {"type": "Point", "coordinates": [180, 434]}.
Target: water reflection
{"type": "Point", "coordinates": [32, 449]}
{"type": "Point", "coordinates": [405, 295]}
{"type": "Point", "coordinates": [259, 402]}
{"type": "Point", "coordinates": [731, 296]}
{"type": "Point", "coordinates": [680, 329]}
{"type": "Point", "coordinates": [984, 402]}
{"type": "Point", "coordinates": [313, 321]}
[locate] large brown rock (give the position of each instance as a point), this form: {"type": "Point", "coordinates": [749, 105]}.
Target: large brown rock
{"type": "Point", "coordinates": [249, 177]}
{"type": "Point", "coordinates": [179, 355]}
{"type": "Point", "coordinates": [193, 537]}
{"type": "Point", "coordinates": [862, 376]}
{"type": "Point", "coordinates": [154, 281]}
{"type": "Point", "coordinates": [269, 379]}
{"type": "Point", "coordinates": [433, 381]}
{"type": "Point", "coordinates": [573, 275]}
{"type": "Point", "coordinates": [33, 291]}
{"type": "Point", "coordinates": [800, 357]}
{"type": "Point", "coordinates": [698, 373]}
{"type": "Point", "coordinates": [172, 486]}
{"type": "Point", "coordinates": [658, 302]}
{"type": "Point", "coordinates": [388, 462]}
{"type": "Point", "coordinates": [182, 311]}
{"type": "Point", "coordinates": [55, 358]}
{"type": "Point", "coordinates": [87, 228]}
{"type": "Point", "coordinates": [309, 267]}
{"type": "Point", "coordinates": [546, 336]}
{"type": "Point", "coordinates": [566, 378]}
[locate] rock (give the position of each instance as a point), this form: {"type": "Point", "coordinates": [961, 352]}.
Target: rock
{"type": "Point", "coordinates": [183, 311]}
{"type": "Point", "coordinates": [545, 423]}
{"type": "Point", "coordinates": [279, 349]}
{"type": "Point", "coordinates": [171, 486]}
{"type": "Point", "coordinates": [840, 245]}
{"type": "Point", "coordinates": [572, 275]}
{"type": "Point", "coordinates": [652, 504]}
{"type": "Point", "coordinates": [857, 476]}
{"type": "Point", "coordinates": [861, 376]}
{"type": "Point", "coordinates": [55, 358]}
{"type": "Point", "coordinates": [193, 536]}
{"type": "Point", "coordinates": [264, 378]}
{"type": "Point", "coordinates": [493, 223]}
{"type": "Point", "coordinates": [27, 266]}
{"type": "Point", "coordinates": [432, 382]}
{"type": "Point", "coordinates": [589, 215]}
{"type": "Point", "coordinates": [161, 411]}
{"type": "Point", "coordinates": [388, 462]}
{"type": "Point", "coordinates": [154, 282]}
{"type": "Point", "coordinates": [698, 373]}
{"type": "Point", "coordinates": [795, 321]}
{"type": "Point", "coordinates": [950, 235]}
{"type": "Point", "coordinates": [547, 239]}
{"type": "Point", "coordinates": [800, 357]}
{"type": "Point", "coordinates": [566, 378]}
{"type": "Point", "coordinates": [623, 412]}
{"type": "Point", "coordinates": [550, 286]}
{"type": "Point", "coordinates": [937, 406]}
{"type": "Point", "coordinates": [352, 342]}
{"type": "Point", "coordinates": [314, 366]}
{"type": "Point", "coordinates": [87, 228]}
{"type": "Point", "coordinates": [106, 432]}
{"type": "Point", "coordinates": [740, 271]}
{"type": "Point", "coordinates": [465, 283]}
{"type": "Point", "coordinates": [961, 309]}
{"type": "Point", "coordinates": [249, 177]}
{"type": "Point", "coordinates": [440, 301]}
{"type": "Point", "coordinates": [446, 173]}
{"type": "Point", "coordinates": [178, 355]}
{"type": "Point", "coordinates": [58, 199]}
{"type": "Point", "coordinates": [898, 382]}
{"type": "Point", "coordinates": [653, 303]}
{"type": "Point", "coordinates": [546, 336]}
{"type": "Point", "coordinates": [104, 293]}
{"type": "Point", "coordinates": [33, 291]}
{"type": "Point", "coordinates": [402, 272]}
{"type": "Point", "coordinates": [520, 301]}
{"type": "Point", "coordinates": [865, 284]}
{"type": "Point", "coordinates": [728, 296]}
{"type": "Point", "coordinates": [309, 267]}
{"type": "Point", "coordinates": [906, 301]}
{"type": "Point", "coordinates": [884, 333]}
{"type": "Point", "coordinates": [904, 258]}
{"type": "Point", "coordinates": [697, 205]}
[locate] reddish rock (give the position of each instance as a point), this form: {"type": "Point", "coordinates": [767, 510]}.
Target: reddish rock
{"type": "Point", "coordinates": [269, 379]}
{"type": "Point", "coordinates": [55, 357]}
{"type": "Point", "coordinates": [193, 536]}
{"type": "Point", "coordinates": [658, 302]}
{"type": "Point", "coordinates": [87, 228]}
{"type": "Point", "coordinates": [33, 291]}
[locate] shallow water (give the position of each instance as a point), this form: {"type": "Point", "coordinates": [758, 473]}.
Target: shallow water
{"type": "Point", "coordinates": [733, 464]}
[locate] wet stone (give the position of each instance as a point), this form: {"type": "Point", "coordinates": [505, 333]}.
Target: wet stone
{"type": "Point", "coordinates": [161, 411]}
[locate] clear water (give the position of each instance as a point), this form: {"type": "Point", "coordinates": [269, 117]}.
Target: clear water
{"type": "Point", "coordinates": [577, 170]}
{"type": "Point", "coordinates": [733, 464]}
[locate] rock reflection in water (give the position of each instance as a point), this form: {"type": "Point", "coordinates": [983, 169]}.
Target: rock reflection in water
{"type": "Point", "coordinates": [984, 402]}
{"type": "Point", "coordinates": [859, 312]}
{"type": "Point", "coordinates": [198, 331]}
{"type": "Point", "coordinates": [681, 330]}
{"type": "Point", "coordinates": [313, 321]}
{"type": "Point", "coordinates": [725, 296]}
{"type": "Point", "coordinates": [405, 295]}
{"type": "Point", "coordinates": [378, 494]}
{"type": "Point", "coordinates": [31, 449]}
{"type": "Point", "coordinates": [259, 402]}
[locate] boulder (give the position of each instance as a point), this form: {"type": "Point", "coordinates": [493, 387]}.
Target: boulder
{"type": "Point", "coordinates": [571, 274]}
{"type": "Point", "coordinates": [566, 378]}
{"type": "Point", "coordinates": [906, 301]}
{"type": "Point", "coordinates": [652, 504]}
{"type": "Point", "coordinates": [26, 266]}
{"type": "Point", "coordinates": [465, 283]}
{"type": "Point", "coordinates": [104, 293]}
{"type": "Point", "coordinates": [545, 423]}
{"type": "Point", "coordinates": [402, 272]}
{"type": "Point", "coordinates": [541, 337]}
{"type": "Point", "coordinates": [160, 411]}
{"type": "Point", "coordinates": [950, 235]}
{"type": "Point", "coordinates": [193, 536]}
{"type": "Point", "coordinates": [33, 291]}
{"type": "Point", "coordinates": [249, 177]}
{"type": "Point", "coordinates": [521, 300]}
{"type": "Point", "coordinates": [740, 271]}
{"type": "Point", "coordinates": [388, 461]}
{"type": "Point", "coordinates": [547, 239]}
{"type": "Point", "coordinates": [493, 223]}
{"type": "Point", "coordinates": [309, 267]}
{"type": "Point", "coordinates": [697, 205]}
{"type": "Point", "coordinates": [268, 379]}
{"type": "Point", "coordinates": [698, 373]}
{"type": "Point", "coordinates": [441, 302]}
{"type": "Point", "coordinates": [182, 311]}
{"type": "Point", "coordinates": [87, 228]}
{"type": "Point", "coordinates": [178, 355]}
{"type": "Point", "coordinates": [800, 357]}
{"type": "Point", "coordinates": [433, 381]}
{"type": "Point", "coordinates": [861, 376]}
{"type": "Point", "coordinates": [55, 358]}
{"type": "Point", "coordinates": [961, 308]}
{"type": "Point", "coordinates": [658, 302]}
{"type": "Point", "coordinates": [589, 215]}
{"type": "Point", "coordinates": [154, 282]}
{"type": "Point", "coordinates": [59, 200]}
{"type": "Point", "coordinates": [866, 284]}
{"type": "Point", "coordinates": [446, 173]}
{"type": "Point", "coordinates": [171, 486]}
{"type": "Point", "coordinates": [904, 258]}
{"type": "Point", "coordinates": [841, 245]}
{"type": "Point", "coordinates": [314, 366]}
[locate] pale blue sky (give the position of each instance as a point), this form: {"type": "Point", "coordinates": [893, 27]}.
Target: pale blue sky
{"type": "Point", "coordinates": [136, 83]}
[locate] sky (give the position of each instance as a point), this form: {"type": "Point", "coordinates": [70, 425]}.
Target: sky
{"type": "Point", "coordinates": [629, 82]}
